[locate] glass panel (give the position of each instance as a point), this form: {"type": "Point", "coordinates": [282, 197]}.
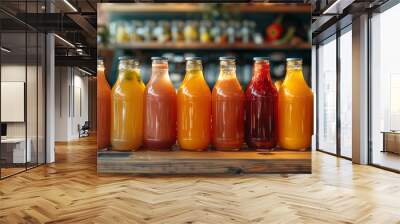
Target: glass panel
{"type": "Point", "coordinates": [33, 69]}
{"type": "Point", "coordinates": [41, 99]}
{"type": "Point", "coordinates": [327, 96]}
{"type": "Point", "coordinates": [13, 86]}
{"type": "Point", "coordinates": [385, 84]}
{"type": "Point", "coordinates": [346, 94]}
{"type": "Point", "coordinates": [31, 98]}
{"type": "Point", "coordinates": [314, 89]}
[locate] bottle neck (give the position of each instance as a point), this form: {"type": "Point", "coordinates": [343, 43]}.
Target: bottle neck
{"type": "Point", "coordinates": [159, 70]}
{"type": "Point", "coordinates": [194, 69]}
{"type": "Point", "coordinates": [227, 70]}
{"type": "Point", "coordinates": [100, 69]}
{"type": "Point", "coordinates": [100, 66]}
{"type": "Point", "coordinates": [194, 66]}
{"type": "Point", "coordinates": [128, 70]}
{"type": "Point", "coordinates": [294, 70]}
{"type": "Point", "coordinates": [262, 71]}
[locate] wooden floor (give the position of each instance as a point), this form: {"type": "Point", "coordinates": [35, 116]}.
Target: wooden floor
{"type": "Point", "coordinates": [70, 191]}
{"type": "Point", "coordinates": [386, 159]}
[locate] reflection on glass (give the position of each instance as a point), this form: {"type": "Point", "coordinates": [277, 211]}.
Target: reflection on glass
{"type": "Point", "coordinates": [15, 150]}
{"type": "Point", "coordinates": [327, 97]}
{"type": "Point", "coordinates": [31, 99]}
{"type": "Point", "coordinates": [41, 150]}
{"type": "Point", "coordinates": [345, 94]}
{"type": "Point", "coordinates": [385, 86]}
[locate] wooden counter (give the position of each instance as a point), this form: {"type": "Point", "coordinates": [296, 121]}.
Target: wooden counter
{"type": "Point", "coordinates": [208, 162]}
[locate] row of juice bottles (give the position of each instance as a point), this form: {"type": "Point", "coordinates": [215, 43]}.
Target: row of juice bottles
{"type": "Point", "coordinates": [157, 115]}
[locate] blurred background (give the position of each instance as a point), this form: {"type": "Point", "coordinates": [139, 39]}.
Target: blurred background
{"type": "Point", "coordinates": [206, 30]}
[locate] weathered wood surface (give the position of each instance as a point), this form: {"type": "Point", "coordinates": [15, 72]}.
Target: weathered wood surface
{"type": "Point", "coordinates": [209, 162]}
{"type": "Point", "coordinates": [71, 191]}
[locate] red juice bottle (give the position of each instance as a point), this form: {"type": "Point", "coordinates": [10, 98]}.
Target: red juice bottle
{"type": "Point", "coordinates": [261, 107]}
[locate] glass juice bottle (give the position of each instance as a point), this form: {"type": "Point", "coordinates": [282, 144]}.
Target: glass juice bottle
{"type": "Point", "coordinates": [159, 107]}
{"type": "Point", "coordinates": [194, 108]}
{"type": "Point", "coordinates": [227, 108]}
{"type": "Point", "coordinates": [103, 107]}
{"type": "Point", "coordinates": [127, 107]}
{"type": "Point", "coordinates": [295, 108]}
{"type": "Point", "coordinates": [261, 107]}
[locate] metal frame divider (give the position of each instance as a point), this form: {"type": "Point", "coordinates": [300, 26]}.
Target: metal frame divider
{"type": "Point", "coordinates": [338, 100]}
{"type": "Point", "coordinates": [0, 94]}
{"type": "Point", "coordinates": [26, 87]}
{"type": "Point", "coordinates": [316, 97]}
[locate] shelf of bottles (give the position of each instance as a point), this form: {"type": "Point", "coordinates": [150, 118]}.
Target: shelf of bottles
{"type": "Point", "coordinates": [209, 101]}
{"type": "Point", "coordinates": [208, 31]}
{"type": "Point", "coordinates": [137, 120]}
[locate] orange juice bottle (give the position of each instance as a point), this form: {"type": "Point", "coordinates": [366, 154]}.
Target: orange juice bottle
{"type": "Point", "coordinates": [127, 107]}
{"type": "Point", "coordinates": [103, 107]}
{"type": "Point", "coordinates": [194, 108]}
{"type": "Point", "coordinates": [295, 108]}
{"type": "Point", "coordinates": [227, 108]}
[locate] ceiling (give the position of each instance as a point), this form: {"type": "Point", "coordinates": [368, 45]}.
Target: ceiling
{"type": "Point", "coordinates": [72, 20]}
{"type": "Point", "coordinates": [76, 22]}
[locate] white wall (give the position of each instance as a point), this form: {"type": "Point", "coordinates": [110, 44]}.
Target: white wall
{"type": "Point", "coordinates": [33, 127]}
{"type": "Point", "coordinates": [71, 94]}
{"type": "Point", "coordinates": [13, 73]}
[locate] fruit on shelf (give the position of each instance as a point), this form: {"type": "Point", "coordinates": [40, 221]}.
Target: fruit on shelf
{"type": "Point", "coordinates": [275, 30]}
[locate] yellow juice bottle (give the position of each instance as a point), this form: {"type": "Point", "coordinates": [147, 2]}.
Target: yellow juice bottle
{"type": "Point", "coordinates": [194, 108]}
{"type": "Point", "coordinates": [295, 109]}
{"type": "Point", "coordinates": [127, 107]}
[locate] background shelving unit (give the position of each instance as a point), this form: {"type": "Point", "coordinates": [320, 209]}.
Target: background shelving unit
{"type": "Point", "coordinates": [148, 161]}
{"type": "Point", "coordinates": [198, 7]}
{"type": "Point", "coordinates": [261, 13]}
{"type": "Point", "coordinates": [204, 46]}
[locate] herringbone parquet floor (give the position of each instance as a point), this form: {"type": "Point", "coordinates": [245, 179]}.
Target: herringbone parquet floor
{"type": "Point", "coordinates": [70, 191]}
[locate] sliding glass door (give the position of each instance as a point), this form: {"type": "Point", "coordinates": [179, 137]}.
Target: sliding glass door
{"type": "Point", "coordinates": [385, 89]}
{"type": "Point", "coordinates": [327, 96]}
{"type": "Point", "coordinates": [334, 94]}
{"type": "Point", "coordinates": [345, 93]}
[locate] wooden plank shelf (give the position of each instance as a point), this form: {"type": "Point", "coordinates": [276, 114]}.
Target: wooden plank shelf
{"type": "Point", "coordinates": [208, 162]}
{"type": "Point", "coordinates": [200, 7]}
{"type": "Point", "coordinates": [204, 46]}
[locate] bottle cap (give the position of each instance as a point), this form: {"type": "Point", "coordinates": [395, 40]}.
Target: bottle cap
{"type": "Point", "coordinates": [294, 59]}
{"type": "Point", "coordinates": [126, 58]}
{"type": "Point", "coordinates": [193, 59]}
{"type": "Point", "coordinates": [261, 59]}
{"type": "Point", "coordinates": [159, 58]}
{"type": "Point", "coordinates": [227, 58]}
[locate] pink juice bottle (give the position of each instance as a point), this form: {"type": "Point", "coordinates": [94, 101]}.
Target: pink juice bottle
{"type": "Point", "coordinates": [159, 108]}
{"type": "Point", "coordinates": [227, 108]}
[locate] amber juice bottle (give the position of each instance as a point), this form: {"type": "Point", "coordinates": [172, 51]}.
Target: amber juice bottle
{"type": "Point", "coordinates": [127, 107]}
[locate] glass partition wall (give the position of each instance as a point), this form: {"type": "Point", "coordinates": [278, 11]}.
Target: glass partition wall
{"type": "Point", "coordinates": [385, 87]}
{"type": "Point", "coordinates": [345, 92]}
{"type": "Point", "coordinates": [327, 95]}
{"type": "Point", "coordinates": [334, 94]}
{"type": "Point", "coordinates": [22, 77]}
